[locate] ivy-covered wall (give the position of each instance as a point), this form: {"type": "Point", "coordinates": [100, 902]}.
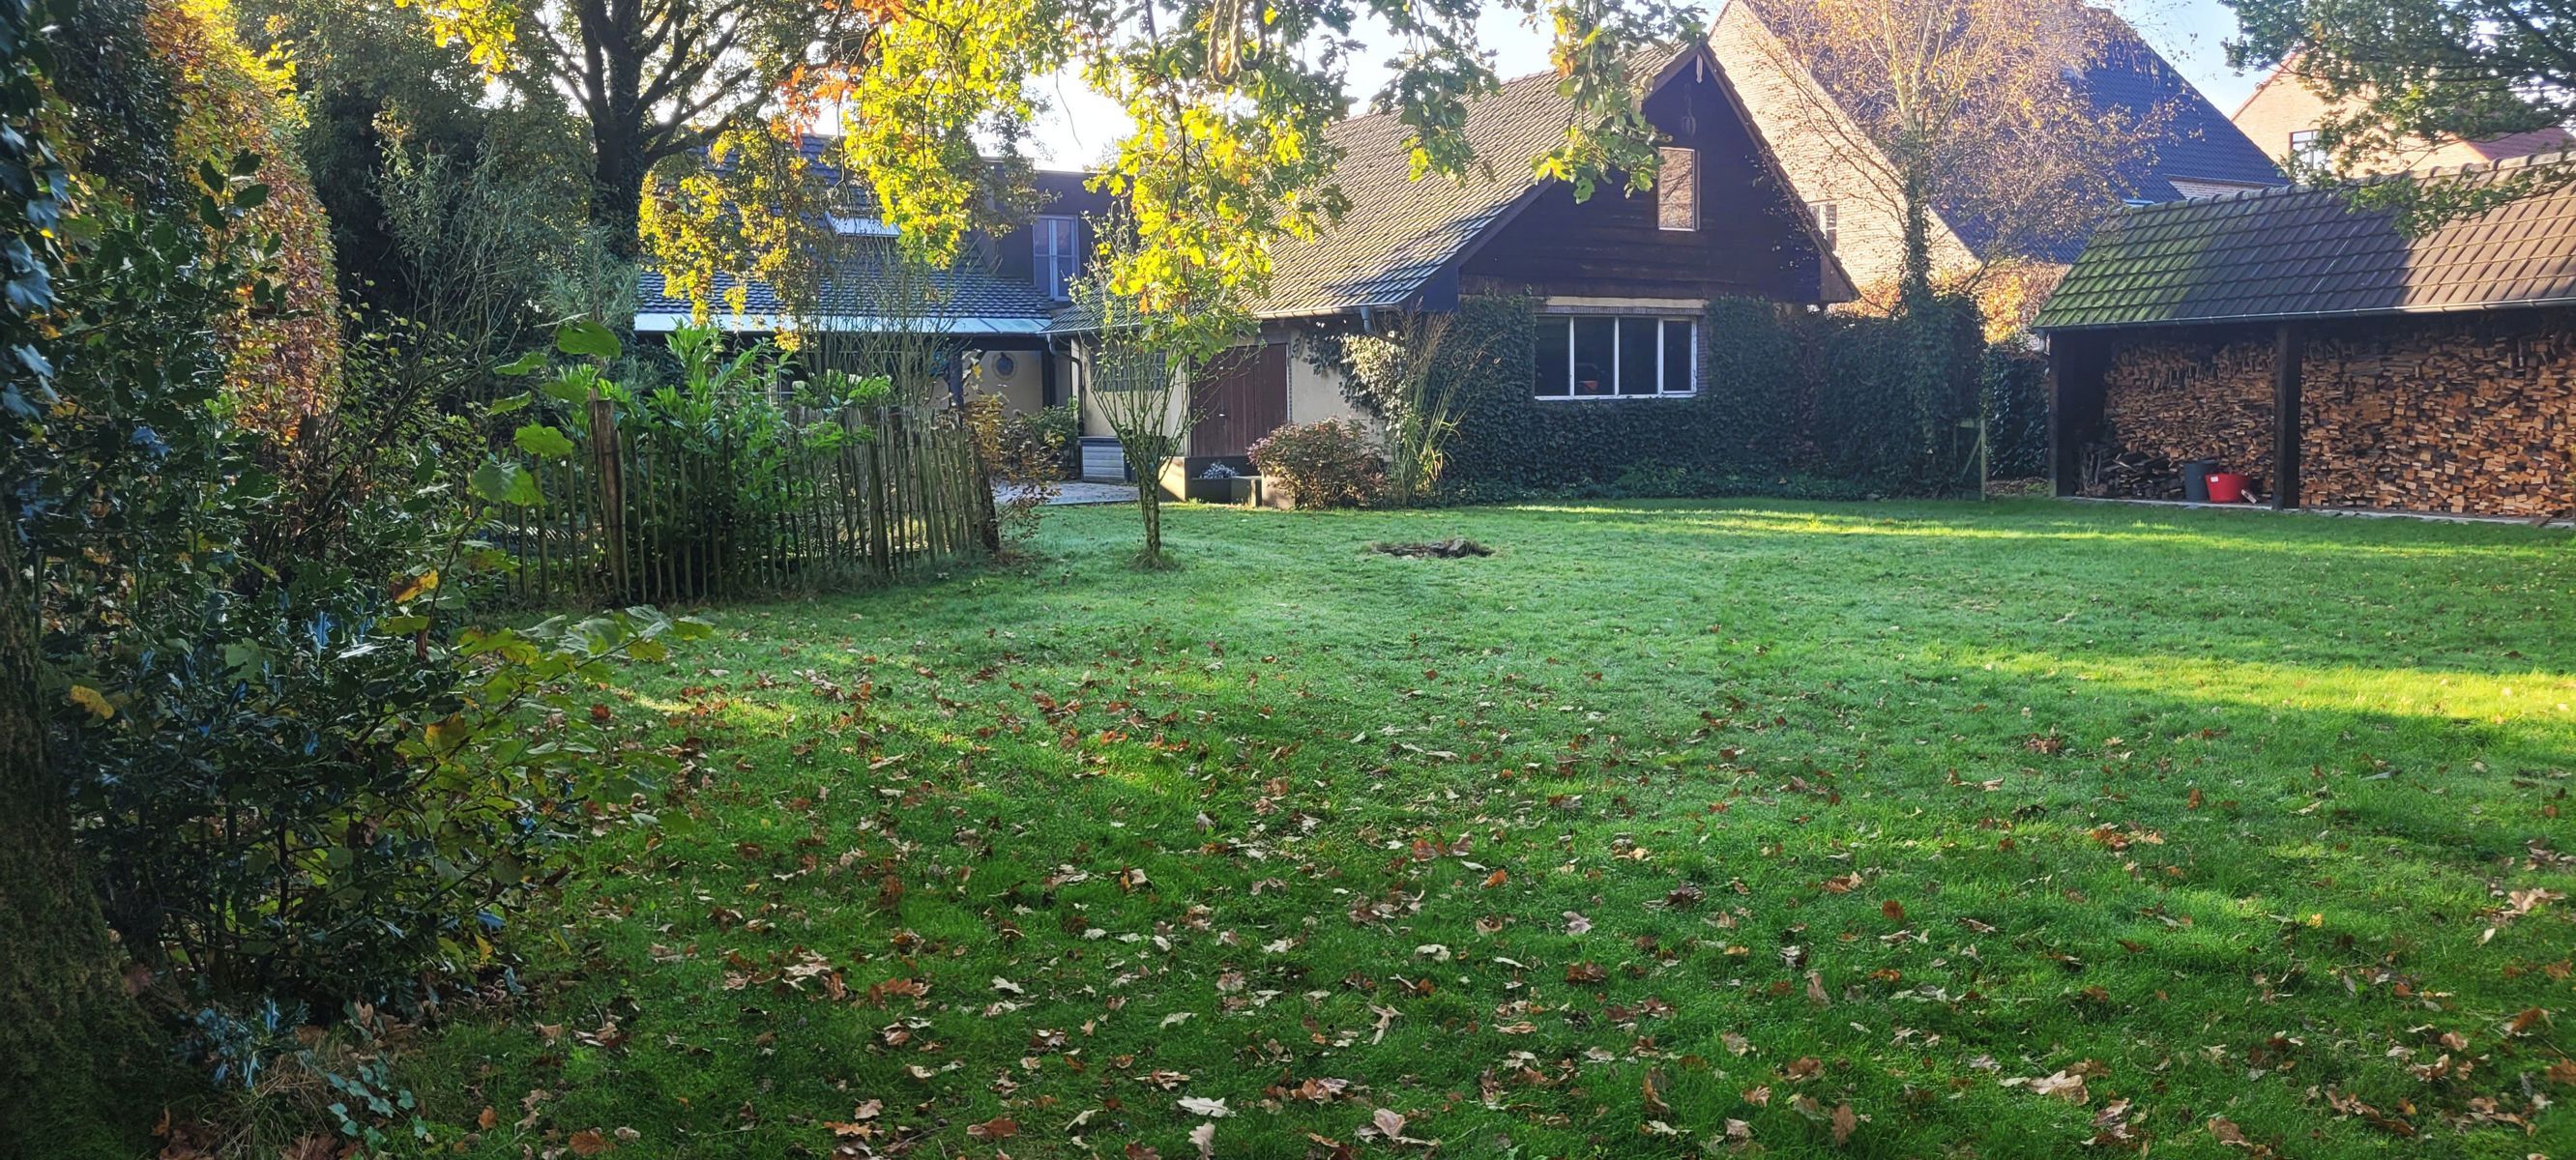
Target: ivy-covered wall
{"type": "Point", "coordinates": [1790, 402]}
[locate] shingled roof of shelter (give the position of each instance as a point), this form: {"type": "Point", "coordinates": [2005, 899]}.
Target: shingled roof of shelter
{"type": "Point", "coordinates": [2307, 252]}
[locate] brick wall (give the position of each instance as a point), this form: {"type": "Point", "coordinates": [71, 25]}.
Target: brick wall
{"type": "Point", "coordinates": [2471, 413]}
{"type": "Point", "coordinates": [1815, 145]}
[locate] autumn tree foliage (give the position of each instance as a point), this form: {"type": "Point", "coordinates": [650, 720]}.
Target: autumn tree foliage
{"type": "Point", "coordinates": [2402, 72]}
{"type": "Point", "coordinates": [1958, 110]}
{"type": "Point", "coordinates": [656, 79]}
{"type": "Point", "coordinates": [1230, 102]}
{"type": "Point", "coordinates": [283, 355]}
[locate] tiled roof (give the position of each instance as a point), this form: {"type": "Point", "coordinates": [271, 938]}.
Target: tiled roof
{"type": "Point", "coordinates": [2306, 252]}
{"type": "Point", "coordinates": [2198, 143]}
{"type": "Point", "coordinates": [1401, 233]}
{"type": "Point", "coordinates": [968, 289]}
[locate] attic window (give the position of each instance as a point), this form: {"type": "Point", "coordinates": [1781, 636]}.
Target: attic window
{"type": "Point", "coordinates": [1677, 189]}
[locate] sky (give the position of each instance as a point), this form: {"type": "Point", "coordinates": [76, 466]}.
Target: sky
{"type": "Point", "coordinates": [1081, 126]}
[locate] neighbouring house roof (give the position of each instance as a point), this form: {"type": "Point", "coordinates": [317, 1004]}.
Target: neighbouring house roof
{"type": "Point", "coordinates": [974, 295]}
{"type": "Point", "coordinates": [2199, 143]}
{"type": "Point", "coordinates": [968, 297]}
{"type": "Point", "coordinates": [2198, 146]}
{"type": "Point", "coordinates": [2283, 103]}
{"type": "Point", "coordinates": [2306, 253]}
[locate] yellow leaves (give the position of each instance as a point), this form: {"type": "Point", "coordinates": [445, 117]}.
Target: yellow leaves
{"type": "Point", "coordinates": [92, 700]}
{"type": "Point", "coordinates": [419, 586]}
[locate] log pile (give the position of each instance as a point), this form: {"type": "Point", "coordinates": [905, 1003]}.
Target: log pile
{"type": "Point", "coordinates": [2171, 400]}
{"type": "Point", "coordinates": [2470, 412]}
{"type": "Point", "coordinates": [2453, 414]}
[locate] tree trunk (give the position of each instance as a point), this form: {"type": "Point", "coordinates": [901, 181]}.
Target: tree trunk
{"type": "Point", "coordinates": [617, 187]}
{"type": "Point", "coordinates": [79, 1065]}
{"type": "Point", "coordinates": [1914, 277]}
{"type": "Point", "coordinates": [1147, 467]}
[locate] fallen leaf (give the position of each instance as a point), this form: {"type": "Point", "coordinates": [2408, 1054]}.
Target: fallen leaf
{"type": "Point", "coordinates": [587, 1142]}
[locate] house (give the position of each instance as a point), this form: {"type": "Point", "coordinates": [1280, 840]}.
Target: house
{"type": "Point", "coordinates": [2282, 115]}
{"type": "Point", "coordinates": [991, 308]}
{"type": "Point", "coordinates": [2291, 338]}
{"type": "Point", "coordinates": [2196, 153]}
{"type": "Point", "coordinates": [1620, 283]}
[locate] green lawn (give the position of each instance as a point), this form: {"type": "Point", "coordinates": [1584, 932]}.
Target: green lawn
{"type": "Point", "coordinates": [1945, 829]}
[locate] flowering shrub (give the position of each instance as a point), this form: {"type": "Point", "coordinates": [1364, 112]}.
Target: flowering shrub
{"type": "Point", "coordinates": [1329, 464]}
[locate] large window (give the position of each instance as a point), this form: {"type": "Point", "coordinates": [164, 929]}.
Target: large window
{"type": "Point", "coordinates": [1586, 356]}
{"type": "Point", "coordinates": [1058, 254]}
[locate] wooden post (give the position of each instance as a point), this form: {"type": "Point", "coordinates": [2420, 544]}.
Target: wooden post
{"type": "Point", "coordinates": [1050, 392]}
{"type": "Point", "coordinates": [2076, 360]}
{"type": "Point", "coordinates": [2288, 353]}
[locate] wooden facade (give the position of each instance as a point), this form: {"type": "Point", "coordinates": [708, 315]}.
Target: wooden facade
{"type": "Point", "coordinates": [1750, 239]}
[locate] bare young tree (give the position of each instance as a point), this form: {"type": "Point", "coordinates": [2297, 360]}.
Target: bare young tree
{"type": "Point", "coordinates": [1137, 383]}
{"type": "Point", "coordinates": [1970, 112]}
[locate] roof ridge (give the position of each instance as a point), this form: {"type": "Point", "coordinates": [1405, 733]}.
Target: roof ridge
{"type": "Point", "coordinates": [2457, 172]}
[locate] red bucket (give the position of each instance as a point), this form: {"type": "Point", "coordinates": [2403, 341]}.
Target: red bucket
{"type": "Point", "coordinates": [2226, 487]}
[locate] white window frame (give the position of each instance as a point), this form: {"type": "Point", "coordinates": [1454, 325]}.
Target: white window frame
{"type": "Point", "coordinates": [2306, 147]}
{"type": "Point", "coordinates": [1690, 377]}
{"type": "Point", "coordinates": [1828, 218]}
{"type": "Point", "coordinates": [1055, 271]}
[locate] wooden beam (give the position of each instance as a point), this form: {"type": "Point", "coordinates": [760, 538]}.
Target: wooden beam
{"type": "Point", "coordinates": [2289, 351]}
{"type": "Point", "coordinates": [1049, 391]}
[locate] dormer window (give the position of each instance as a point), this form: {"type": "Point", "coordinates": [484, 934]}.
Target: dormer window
{"type": "Point", "coordinates": [1677, 189]}
{"type": "Point", "coordinates": [1057, 245]}
{"type": "Point", "coordinates": [854, 226]}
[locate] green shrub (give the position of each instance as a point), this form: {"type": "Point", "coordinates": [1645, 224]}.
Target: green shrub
{"type": "Point", "coordinates": [2016, 406]}
{"type": "Point", "coordinates": [1329, 464]}
{"type": "Point", "coordinates": [720, 457]}
{"type": "Point", "coordinates": [299, 767]}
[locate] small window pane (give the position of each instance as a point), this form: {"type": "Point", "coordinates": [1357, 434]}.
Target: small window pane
{"type": "Point", "coordinates": [1679, 352]}
{"type": "Point", "coordinates": [1637, 373]}
{"type": "Point", "coordinates": [1677, 189]}
{"type": "Point", "coordinates": [1593, 368]}
{"type": "Point", "coordinates": [1552, 380]}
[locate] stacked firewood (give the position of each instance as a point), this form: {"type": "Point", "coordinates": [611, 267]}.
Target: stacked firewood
{"type": "Point", "coordinates": [2451, 414]}
{"type": "Point", "coordinates": [2171, 400]}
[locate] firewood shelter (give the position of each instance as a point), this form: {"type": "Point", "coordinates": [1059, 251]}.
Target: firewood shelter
{"type": "Point", "coordinates": [2324, 353]}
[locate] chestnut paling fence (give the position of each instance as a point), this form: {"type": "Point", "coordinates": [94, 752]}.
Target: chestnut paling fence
{"type": "Point", "coordinates": [647, 513]}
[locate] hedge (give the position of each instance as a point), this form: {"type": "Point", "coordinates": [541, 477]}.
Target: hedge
{"type": "Point", "coordinates": [1791, 403]}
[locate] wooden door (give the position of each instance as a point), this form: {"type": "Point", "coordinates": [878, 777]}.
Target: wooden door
{"type": "Point", "coordinates": [1238, 397]}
